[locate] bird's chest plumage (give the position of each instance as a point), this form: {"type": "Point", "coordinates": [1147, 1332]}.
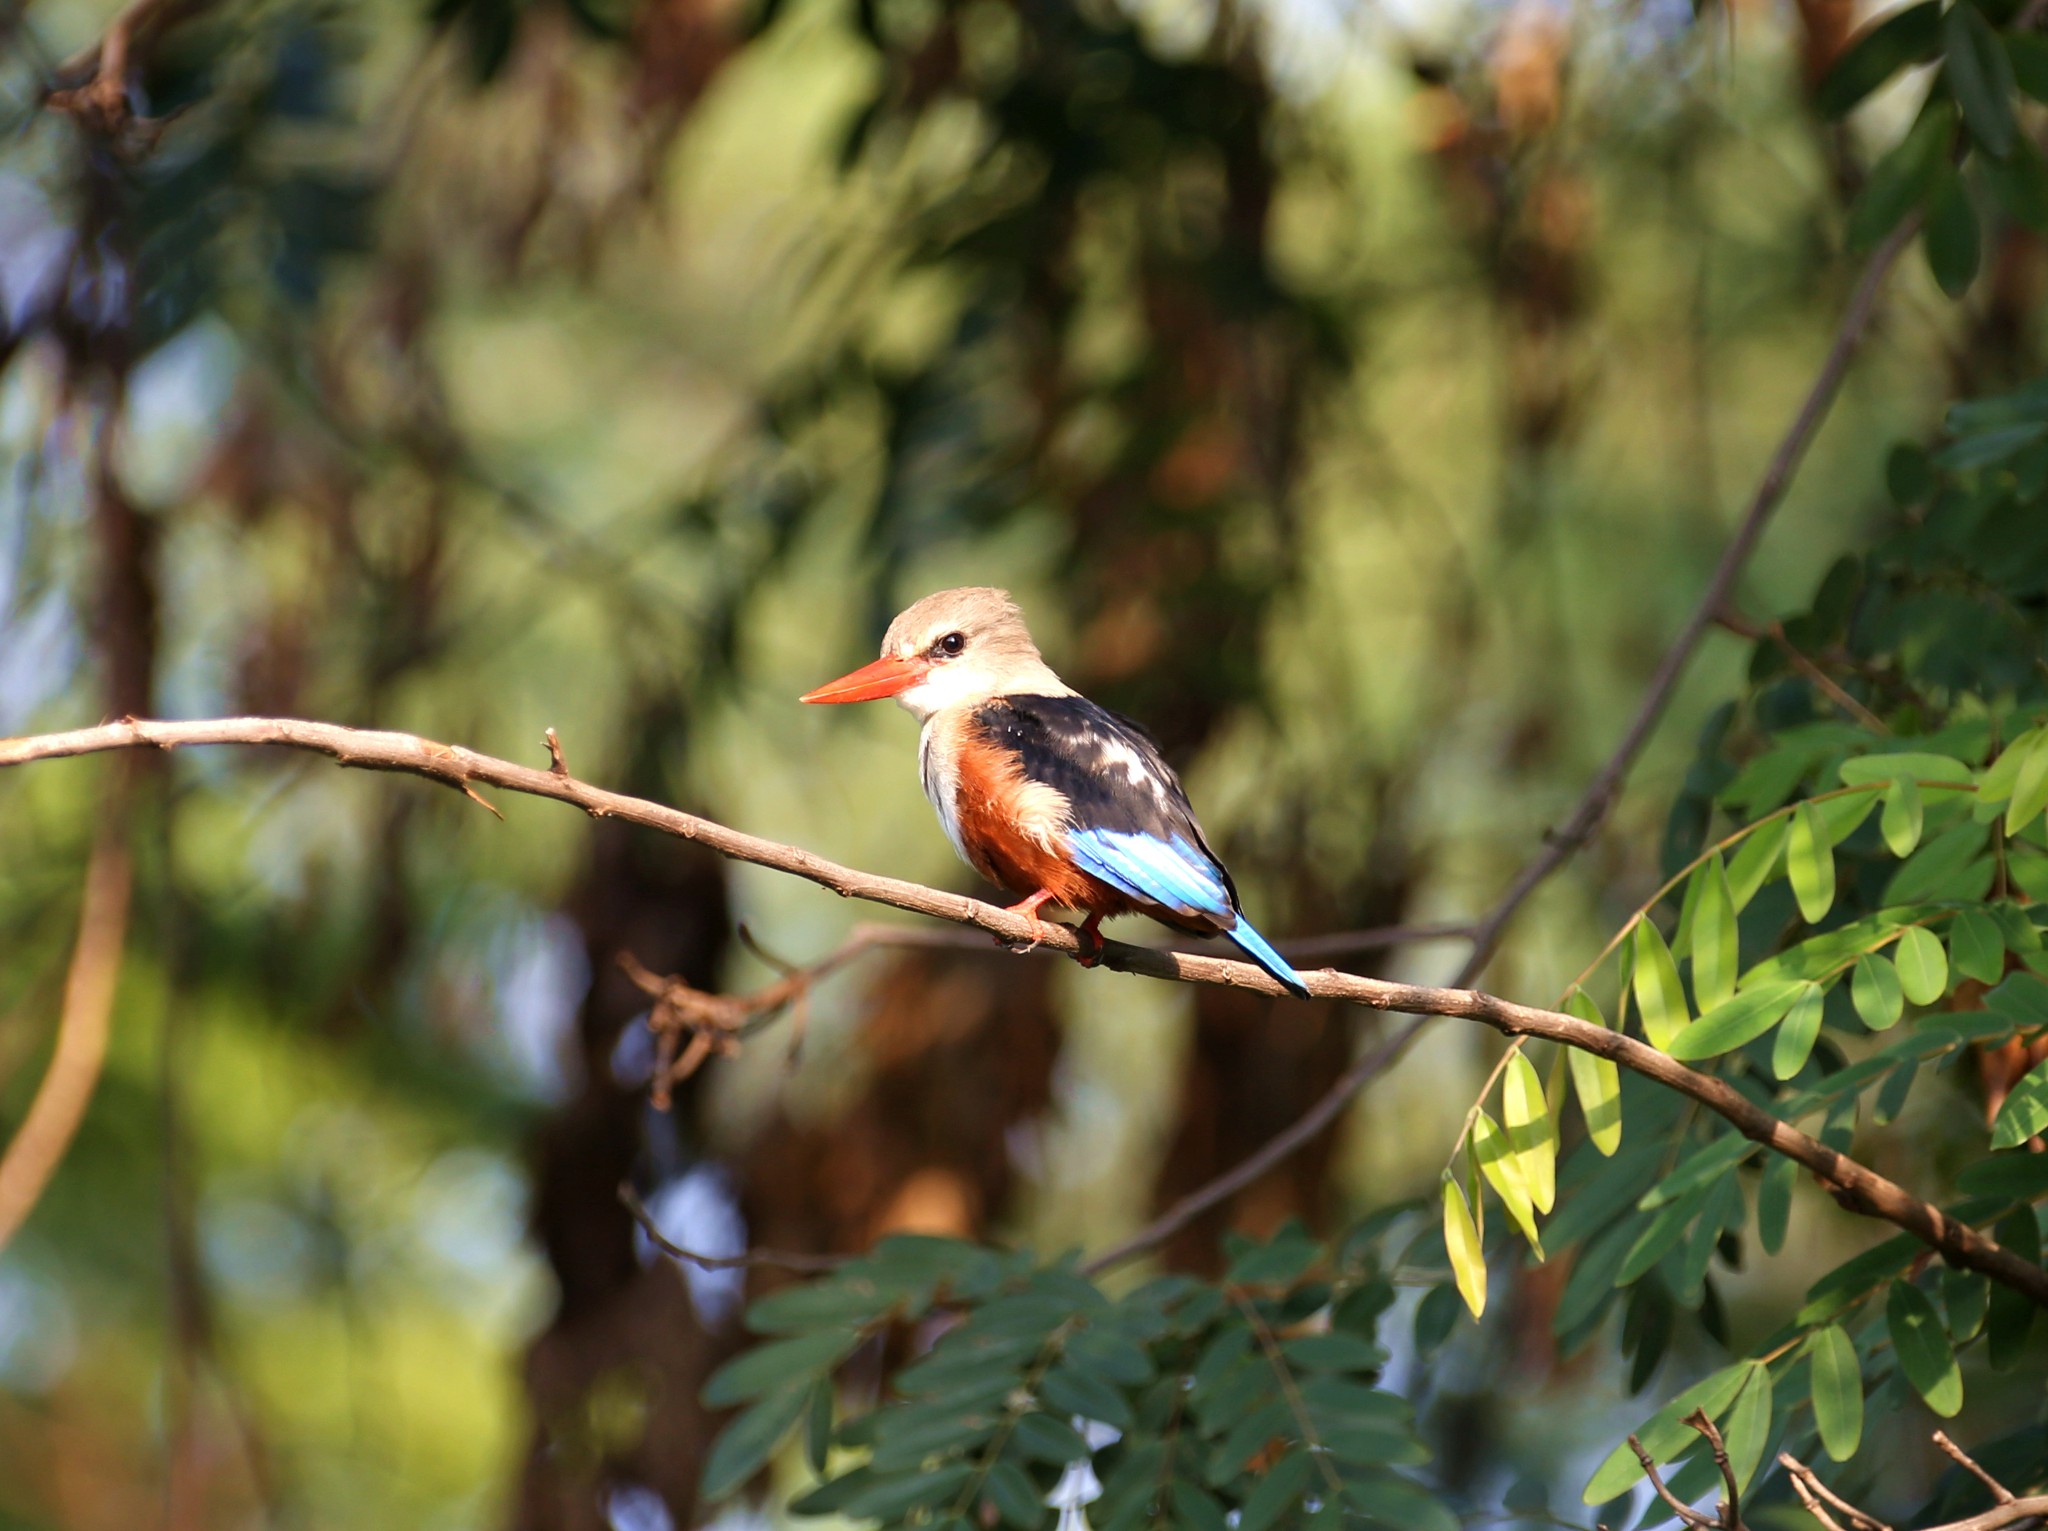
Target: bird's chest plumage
{"type": "Point", "coordinates": [1007, 826]}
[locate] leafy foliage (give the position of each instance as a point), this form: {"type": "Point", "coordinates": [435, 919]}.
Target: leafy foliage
{"type": "Point", "coordinates": [1181, 1402]}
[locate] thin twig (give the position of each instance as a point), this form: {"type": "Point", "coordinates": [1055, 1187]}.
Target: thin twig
{"type": "Point", "coordinates": [1600, 795]}
{"type": "Point", "coordinates": [1677, 1506]}
{"type": "Point", "coordinates": [1969, 1465]}
{"type": "Point", "coordinates": [1745, 627]}
{"type": "Point", "coordinates": [1731, 1503]}
{"type": "Point", "coordinates": [1854, 1185]}
{"type": "Point", "coordinates": [1811, 1491]}
{"type": "Point", "coordinates": [773, 1259]}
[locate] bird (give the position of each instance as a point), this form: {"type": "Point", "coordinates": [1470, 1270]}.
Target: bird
{"type": "Point", "coordinates": [1042, 791]}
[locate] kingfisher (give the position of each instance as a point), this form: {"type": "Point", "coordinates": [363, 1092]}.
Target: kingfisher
{"type": "Point", "coordinates": [1040, 790]}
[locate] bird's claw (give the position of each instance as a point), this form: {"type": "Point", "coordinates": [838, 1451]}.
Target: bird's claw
{"type": "Point", "coordinates": [1090, 954]}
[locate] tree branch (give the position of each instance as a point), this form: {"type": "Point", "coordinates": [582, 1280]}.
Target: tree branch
{"type": "Point", "coordinates": [1857, 1187]}
{"type": "Point", "coordinates": [805, 1265]}
{"type": "Point", "coordinates": [2009, 1511]}
{"type": "Point", "coordinates": [67, 1088]}
{"type": "Point", "coordinates": [1600, 795]}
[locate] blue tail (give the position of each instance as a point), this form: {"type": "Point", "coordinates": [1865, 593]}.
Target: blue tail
{"type": "Point", "coordinates": [1256, 947]}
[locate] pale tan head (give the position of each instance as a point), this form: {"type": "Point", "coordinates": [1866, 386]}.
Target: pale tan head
{"type": "Point", "coordinates": [958, 647]}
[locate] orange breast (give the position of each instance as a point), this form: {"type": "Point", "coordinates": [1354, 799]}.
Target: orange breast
{"type": "Point", "coordinates": [1011, 829]}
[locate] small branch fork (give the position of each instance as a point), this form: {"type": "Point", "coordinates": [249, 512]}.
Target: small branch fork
{"type": "Point", "coordinates": [1855, 1185]}
{"type": "Point", "coordinates": [1836, 1513]}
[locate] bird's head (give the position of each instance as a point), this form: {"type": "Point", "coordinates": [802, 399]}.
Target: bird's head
{"type": "Point", "coordinates": [956, 647]}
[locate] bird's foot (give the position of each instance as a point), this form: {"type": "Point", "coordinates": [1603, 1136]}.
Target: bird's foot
{"type": "Point", "coordinates": [1028, 907]}
{"type": "Point", "coordinates": [1090, 937]}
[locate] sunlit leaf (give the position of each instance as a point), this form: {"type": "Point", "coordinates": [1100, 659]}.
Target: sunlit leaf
{"type": "Point", "coordinates": [1922, 965]}
{"type": "Point", "coordinates": [2029, 788]}
{"type": "Point", "coordinates": [1903, 816]}
{"type": "Point", "coordinates": [1798, 1031]}
{"type": "Point", "coordinates": [1874, 989]}
{"type": "Point", "coordinates": [1975, 946]}
{"type": "Point", "coordinates": [1665, 1434]}
{"type": "Point", "coordinates": [1715, 958]}
{"type": "Point", "coordinates": [1921, 765]}
{"type": "Point", "coordinates": [1900, 181]}
{"type": "Point", "coordinates": [1531, 1130]}
{"type": "Point", "coordinates": [1658, 994]}
{"type": "Point", "coordinates": [1837, 1392]}
{"type": "Point", "coordinates": [1923, 1349]}
{"type": "Point", "coordinates": [2025, 1112]}
{"type": "Point", "coordinates": [1755, 859]}
{"type": "Point", "coordinates": [1810, 863]}
{"type": "Point", "coordinates": [1596, 1080]}
{"type": "Point", "coordinates": [1461, 1242]}
{"type": "Point", "coordinates": [1503, 1171]}
{"type": "Point", "coordinates": [1997, 781]}
{"type": "Point", "coordinates": [1742, 1019]}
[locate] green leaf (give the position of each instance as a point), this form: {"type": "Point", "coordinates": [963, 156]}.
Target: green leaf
{"type": "Point", "coordinates": [891, 1497]}
{"type": "Point", "coordinates": [1903, 816]}
{"type": "Point", "coordinates": [1277, 1491]}
{"type": "Point", "coordinates": [1810, 863]}
{"type": "Point", "coordinates": [2025, 1112]}
{"type": "Point", "coordinates": [1796, 1036]}
{"type": "Point", "coordinates": [1742, 1019]}
{"type": "Point", "coordinates": [1461, 1242]}
{"type": "Point", "coordinates": [1715, 956]}
{"type": "Point", "coordinates": [1966, 1297]}
{"type": "Point", "coordinates": [818, 1425]}
{"type": "Point", "coordinates": [1837, 1392]}
{"type": "Point", "coordinates": [1596, 1080]}
{"type": "Point", "coordinates": [2029, 54]}
{"type": "Point", "coordinates": [1910, 36]}
{"type": "Point", "coordinates": [1755, 859]}
{"type": "Point", "coordinates": [1920, 765]}
{"type": "Point", "coordinates": [1045, 1439]}
{"type": "Point", "coordinates": [1389, 1501]}
{"type": "Point", "coordinates": [2012, 1313]}
{"type": "Point", "coordinates": [1661, 1236]}
{"type": "Point", "coordinates": [1950, 237]}
{"type": "Point", "coordinates": [1503, 1171]}
{"type": "Point", "coordinates": [1066, 1389]}
{"type": "Point", "coordinates": [1976, 947]}
{"type": "Point", "coordinates": [1901, 180]}
{"type": "Point", "coordinates": [1981, 76]}
{"type": "Point", "coordinates": [1531, 1132]}
{"type": "Point", "coordinates": [1948, 866]}
{"type": "Point", "coordinates": [2030, 786]}
{"type": "Point", "coordinates": [1336, 1351]}
{"type": "Point", "coordinates": [1195, 1508]}
{"type": "Point", "coordinates": [745, 1444]}
{"type": "Point", "coordinates": [1015, 1498]}
{"type": "Point", "coordinates": [1666, 1435]}
{"type": "Point", "coordinates": [766, 1367]}
{"type": "Point", "coordinates": [1922, 965]}
{"type": "Point", "coordinates": [1658, 995]}
{"type": "Point", "coordinates": [1921, 1344]}
{"type": "Point", "coordinates": [1874, 988]}
{"type": "Point", "coordinates": [2019, 182]}
{"type": "Point", "coordinates": [1748, 1426]}
{"type": "Point", "coordinates": [1774, 1202]}
{"type": "Point", "coordinates": [1996, 782]}
{"type": "Point", "coordinates": [2019, 1176]}
{"type": "Point", "coordinates": [2021, 999]}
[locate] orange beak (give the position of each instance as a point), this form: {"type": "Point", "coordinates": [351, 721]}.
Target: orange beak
{"type": "Point", "coordinates": [887, 676]}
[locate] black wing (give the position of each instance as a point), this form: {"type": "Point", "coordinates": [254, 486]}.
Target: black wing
{"type": "Point", "coordinates": [1132, 824]}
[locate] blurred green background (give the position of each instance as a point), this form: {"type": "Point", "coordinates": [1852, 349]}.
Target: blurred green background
{"type": "Point", "coordinates": [1358, 395]}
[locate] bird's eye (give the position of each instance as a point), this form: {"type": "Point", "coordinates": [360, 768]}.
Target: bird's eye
{"type": "Point", "coordinates": [952, 643]}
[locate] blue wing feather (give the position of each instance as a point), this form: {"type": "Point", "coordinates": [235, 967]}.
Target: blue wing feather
{"type": "Point", "coordinates": [1181, 878]}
